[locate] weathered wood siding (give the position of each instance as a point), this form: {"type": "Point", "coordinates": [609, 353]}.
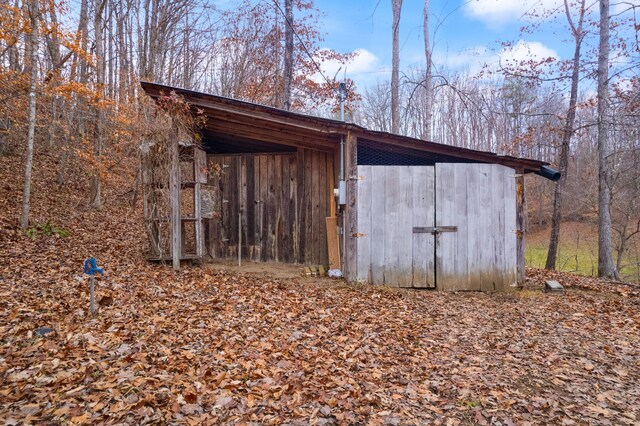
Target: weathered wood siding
{"type": "Point", "coordinates": [283, 200]}
{"type": "Point", "coordinates": [391, 201]}
{"type": "Point", "coordinates": [480, 199]}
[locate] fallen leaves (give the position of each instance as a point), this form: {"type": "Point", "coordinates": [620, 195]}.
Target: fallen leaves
{"type": "Point", "coordinates": [208, 347]}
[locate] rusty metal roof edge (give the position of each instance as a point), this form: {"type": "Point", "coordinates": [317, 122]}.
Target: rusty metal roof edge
{"type": "Point", "coordinates": [343, 127]}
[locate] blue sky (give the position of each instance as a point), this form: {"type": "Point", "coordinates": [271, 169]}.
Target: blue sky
{"type": "Point", "coordinates": [465, 33]}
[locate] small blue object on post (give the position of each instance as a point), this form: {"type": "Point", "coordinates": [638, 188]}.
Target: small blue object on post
{"type": "Point", "coordinates": [91, 267]}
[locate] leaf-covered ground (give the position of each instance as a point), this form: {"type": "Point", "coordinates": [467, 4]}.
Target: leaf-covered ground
{"type": "Point", "coordinates": [210, 347]}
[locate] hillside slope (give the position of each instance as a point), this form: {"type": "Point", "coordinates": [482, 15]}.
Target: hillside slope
{"type": "Point", "coordinates": [208, 347]}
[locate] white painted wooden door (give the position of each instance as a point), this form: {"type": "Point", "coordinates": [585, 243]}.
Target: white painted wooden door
{"type": "Point", "coordinates": [480, 200]}
{"type": "Point", "coordinates": [392, 200]}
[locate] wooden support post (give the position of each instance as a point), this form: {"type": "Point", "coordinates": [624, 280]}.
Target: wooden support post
{"type": "Point", "coordinates": [174, 194]}
{"type": "Point", "coordinates": [351, 226]}
{"type": "Point", "coordinates": [520, 226]}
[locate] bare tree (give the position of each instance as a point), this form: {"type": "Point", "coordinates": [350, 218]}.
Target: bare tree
{"type": "Point", "coordinates": [428, 77]}
{"type": "Point", "coordinates": [606, 265]}
{"type": "Point", "coordinates": [288, 53]}
{"type": "Point", "coordinates": [33, 64]}
{"type": "Point", "coordinates": [578, 33]}
{"type": "Point", "coordinates": [396, 6]}
{"type": "Point", "coordinates": [96, 184]}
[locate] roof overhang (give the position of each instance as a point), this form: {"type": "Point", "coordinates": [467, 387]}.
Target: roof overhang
{"type": "Point", "coordinates": [249, 127]}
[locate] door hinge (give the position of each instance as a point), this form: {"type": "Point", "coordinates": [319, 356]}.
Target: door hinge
{"type": "Point", "coordinates": [358, 235]}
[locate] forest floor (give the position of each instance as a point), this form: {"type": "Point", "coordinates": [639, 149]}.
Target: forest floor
{"type": "Point", "coordinates": [217, 346]}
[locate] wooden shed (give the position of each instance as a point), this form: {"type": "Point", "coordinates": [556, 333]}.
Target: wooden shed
{"type": "Point", "coordinates": [386, 209]}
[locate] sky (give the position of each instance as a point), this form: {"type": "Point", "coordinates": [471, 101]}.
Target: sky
{"type": "Point", "coordinates": [464, 34]}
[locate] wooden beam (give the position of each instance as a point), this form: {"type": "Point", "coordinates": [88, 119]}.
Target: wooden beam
{"type": "Point", "coordinates": [263, 133]}
{"type": "Point", "coordinates": [452, 151]}
{"type": "Point", "coordinates": [520, 226]}
{"type": "Point", "coordinates": [351, 227]}
{"type": "Point", "coordinates": [174, 195]}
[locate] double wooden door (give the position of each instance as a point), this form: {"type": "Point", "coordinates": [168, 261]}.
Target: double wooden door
{"type": "Point", "coordinates": [451, 226]}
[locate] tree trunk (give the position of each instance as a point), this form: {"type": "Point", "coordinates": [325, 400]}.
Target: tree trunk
{"type": "Point", "coordinates": [396, 6]}
{"type": "Point", "coordinates": [428, 77]}
{"type": "Point", "coordinates": [288, 54]}
{"type": "Point", "coordinates": [95, 192]}
{"type": "Point", "coordinates": [563, 163]}
{"type": "Point", "coordinates": [28, 164]}
{"type": "Point", "coordinates": [606, 265]}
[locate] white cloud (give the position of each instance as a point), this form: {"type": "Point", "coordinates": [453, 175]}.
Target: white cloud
{"type": "Point", "coordinates": [363, 68]}
{"type": "Point", "coordinates": [496, 13]}
{"type": "Point", "coordinates": [527, 51]}
{"type": "Point", "coordinates": [476, 58]}
{"type": "Point", "coordinates": [471, 59]}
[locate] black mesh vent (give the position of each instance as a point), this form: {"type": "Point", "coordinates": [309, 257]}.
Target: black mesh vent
{"type": "Point", "coordinates": [376, 154]}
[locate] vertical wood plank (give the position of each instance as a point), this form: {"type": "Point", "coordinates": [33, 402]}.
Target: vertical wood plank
{"type": "Point", "coordinates": [511, 250]}
{"type": "Point", "coordinates": [257, 220]}
{"type": "Point", "coordinates": [243, 201]}
{"type": "Point", "coordinates": [293, 207]}
{"type": "Point", "coordinates": [278, 233]}
{"type": "Point", "coordinates": [215, 222]}
{"type": "Point", "coordinates": [174, 193]}
{"type": "Point", "coordinates": [351, 162]}
{"type": "Point", "coordinates": [520, 226]}
{"type": "Point", "coordinates": [251, 205]}
{"type": "Point", "coordinates": [333, 247]}
{"type": "Point", "coordinates": [323, 209]}
{"type": "Point", "coordinates": [264, 214]}
{"type": "Point", "coordinates": [271, 212]}
{"type": "Point", "coordinates": [331, 184]}
{"type": "Point", "coordinates": [284, 194]}
{"type": "Point", "coordinates": [391, 226]}
{"type": "Point", "coordinates": [234, 205]}
{"type": "Point", "coordinates": [423, 215]}
{"type": "Point", "coordinates": [378, 205]}
{"type": "Point", "coordinates": [461, 210]}
{"type": "Point", "coordinates": [363, 241]}
{"type": "Point", "coordinates": [404, 227]}
{"type": "Point", "coordinates": [445, 214]}
{"type": "Point", "coordinates": [308, 206]}
{"type": "Point", "coordinates": [474, 237]}
{"type": "Point", "coordinates": [302, 213]}
{"type": "Point", "coordinates": [497, 281]}
{"type": "Point", "coordinates": [431, 220]}
{"type": "Point", "coordinates": [484, 220]}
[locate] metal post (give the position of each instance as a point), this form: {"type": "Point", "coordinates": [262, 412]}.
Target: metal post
{"type": "Point", "coordinates": [91, 305]}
